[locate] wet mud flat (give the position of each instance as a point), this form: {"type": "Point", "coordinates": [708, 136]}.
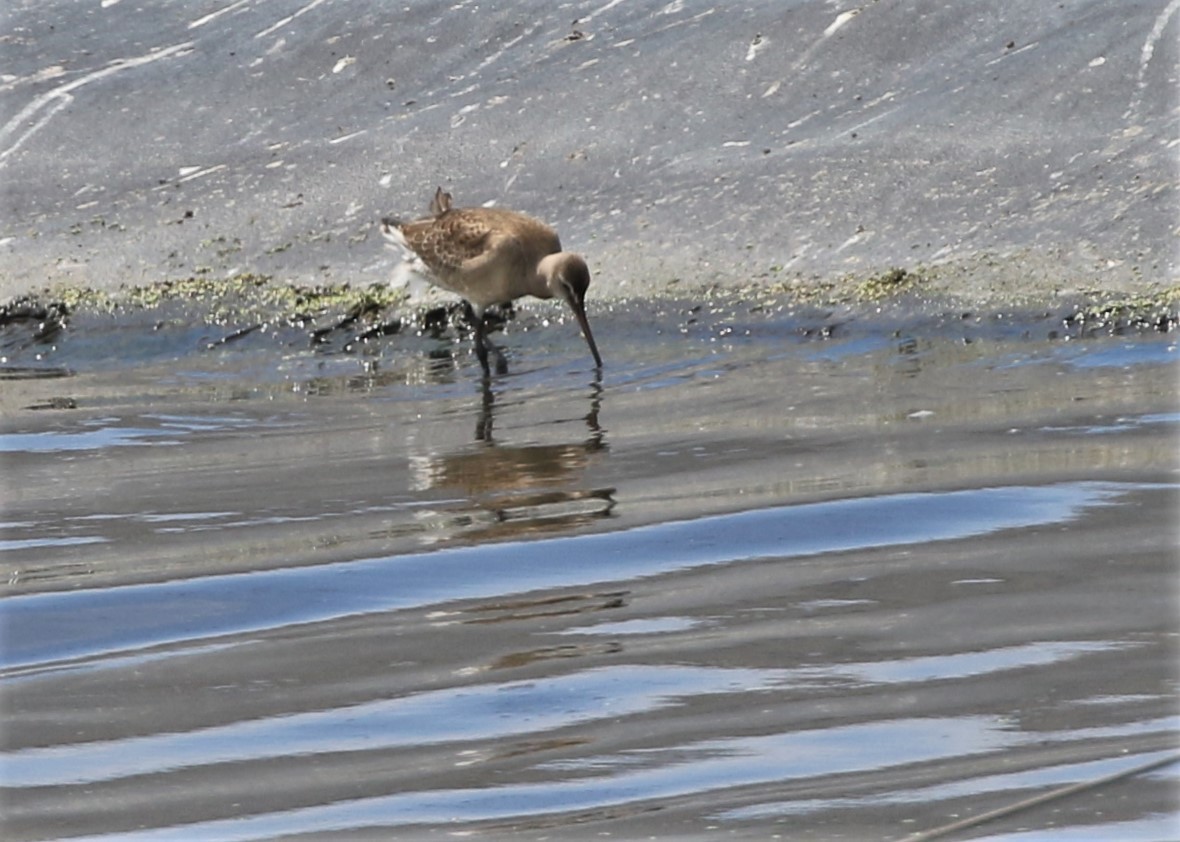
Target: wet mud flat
{"type": "Point", "coordinates": [781, 570]}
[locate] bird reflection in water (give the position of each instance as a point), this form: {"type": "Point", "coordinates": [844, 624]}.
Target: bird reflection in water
{"type": "Point", "coordinates": [526, 489]}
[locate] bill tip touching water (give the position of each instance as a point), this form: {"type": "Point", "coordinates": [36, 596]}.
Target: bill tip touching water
{"type": "Point", "coordinates": [491, 256]}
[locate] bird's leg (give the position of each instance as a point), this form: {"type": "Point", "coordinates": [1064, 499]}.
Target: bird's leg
{"type": "Point", "coordinates": [481, 350]}
{"type": "Point", "coordinates": [482, 345]}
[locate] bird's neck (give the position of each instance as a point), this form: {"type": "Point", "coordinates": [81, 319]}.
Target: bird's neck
{"type": "Point", "coordinates": [544, 282]}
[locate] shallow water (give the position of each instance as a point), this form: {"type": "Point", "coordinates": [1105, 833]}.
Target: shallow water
{"type": "Point", "coordinates": [806, 574]}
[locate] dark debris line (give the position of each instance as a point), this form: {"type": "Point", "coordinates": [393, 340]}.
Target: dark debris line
{"type": "Point", "coordinates": [30, 322]}
{"type": "Point", "coordinates": [46, 321]}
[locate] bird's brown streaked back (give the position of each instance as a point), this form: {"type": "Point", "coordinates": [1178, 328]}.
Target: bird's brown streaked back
{"type": "Point", "coordinates": [452, 238]}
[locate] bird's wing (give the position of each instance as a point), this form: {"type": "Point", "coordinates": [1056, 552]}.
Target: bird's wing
{"type": "Point", "coordinates": [441, 203]}
{"type": "Point", "coordinates": [448, 241]}
{"type": "Point", "coordinates": [499, 249]}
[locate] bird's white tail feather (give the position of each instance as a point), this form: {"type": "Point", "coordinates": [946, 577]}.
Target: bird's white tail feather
{"type": "Point", "coordinates": [411, 274]}
{"type": "Point", "coordinates": [394, 237]}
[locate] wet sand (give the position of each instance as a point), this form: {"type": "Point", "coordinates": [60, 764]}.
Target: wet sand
{"type": "Point", "coordinates": [786, 572]}
{"type": "Point", "coordinates": [667, 141]}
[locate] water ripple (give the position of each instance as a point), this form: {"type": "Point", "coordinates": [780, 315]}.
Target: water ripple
{"type": "Point", "coordinates": [44, 628]}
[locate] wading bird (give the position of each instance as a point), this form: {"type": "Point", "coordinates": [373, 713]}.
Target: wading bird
{"type": "Point", "coordinates": [491, 256]}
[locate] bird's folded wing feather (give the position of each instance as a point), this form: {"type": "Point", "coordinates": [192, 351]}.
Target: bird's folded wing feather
{"type": "Point", "coordinates": [447, 242]}
{"type": "Point", "coordinates": [500, 250]}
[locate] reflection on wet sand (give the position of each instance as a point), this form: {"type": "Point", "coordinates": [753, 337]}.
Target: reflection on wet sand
{"type": "Point", "coordinates": [548, 606]}
{"type": "Point", "coordinates": [527, 489]}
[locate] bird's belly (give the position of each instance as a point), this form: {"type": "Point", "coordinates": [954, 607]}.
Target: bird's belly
{"type": "Point", "coordinates": [482, 290]}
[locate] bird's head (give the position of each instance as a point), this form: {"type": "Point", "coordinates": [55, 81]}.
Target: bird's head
{"type": "Point", "coordinates": [567, 277]}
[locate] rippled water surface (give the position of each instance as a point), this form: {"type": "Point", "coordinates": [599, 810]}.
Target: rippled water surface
{"type": "Point", "coordinates": [768, 574]}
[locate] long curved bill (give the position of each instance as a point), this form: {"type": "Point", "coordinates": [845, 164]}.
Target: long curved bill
{"type": "Point", "coordinates": [580, 311]}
